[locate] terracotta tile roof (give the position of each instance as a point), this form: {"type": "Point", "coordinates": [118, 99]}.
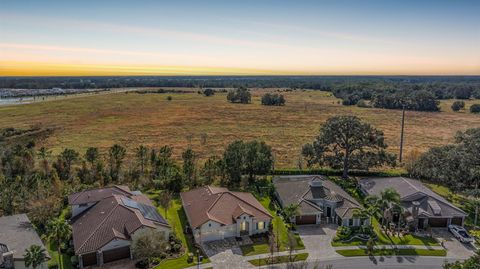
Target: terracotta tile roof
{"type": "Point", "coordinates": [96, 195]}
{"type": "Point", "coordinates": [113, 217]}
{"type": "Point", "coordinates": [220, 205]}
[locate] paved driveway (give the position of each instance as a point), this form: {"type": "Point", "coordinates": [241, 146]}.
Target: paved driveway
{"type": "Point", "coordinates": [317, 240]}
{"type": "Point", "coordinates": [455, 249]}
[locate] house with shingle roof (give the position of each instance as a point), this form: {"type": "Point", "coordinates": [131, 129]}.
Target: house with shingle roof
{"type": "Point", "coordinates": [16, 235]}
{"type": "Point", "coordinates": [104, 221]}
{"type": "Point", "coordinates": [423, 207]}
{"type": "Point", "coordinates": [216, 213]}
{"type": "Point", "coordinates": [319, 200]}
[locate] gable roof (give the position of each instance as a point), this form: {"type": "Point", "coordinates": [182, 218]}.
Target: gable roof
{"type": "Point", "coordinates": [298, 189]}
{"type": "Point", "coordinates": [113, 217]}
{"type": "Point", "coordinates": [95, 195]}
{"type": "Point", "coordinates": [431, 204]}
{"type": "Point", "coordinates": [220, 205]}
{"type": "Point", "coordinates": [18, 234]}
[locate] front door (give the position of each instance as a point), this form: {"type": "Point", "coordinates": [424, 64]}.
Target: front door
{"type": "Point", "coordinates": [244, 228]}
{"type": "Point", "coordinates": [329, 212]}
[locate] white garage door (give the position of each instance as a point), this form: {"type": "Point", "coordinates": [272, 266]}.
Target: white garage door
{"type": "Point", "coordinates": [211, 236]}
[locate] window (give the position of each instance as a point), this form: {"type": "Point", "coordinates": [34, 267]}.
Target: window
{"type": "Point", "coordinates": [260, 225]}
{"type": "Point", "coordinates": [209, 225]}
{"type": "Point", "coordinates": [350, 222]}
{"type": "Point", "coordinates": [243, 226]}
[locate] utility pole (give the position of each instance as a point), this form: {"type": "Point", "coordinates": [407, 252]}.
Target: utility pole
{"type": "Point", "coordinates": [401, 135]}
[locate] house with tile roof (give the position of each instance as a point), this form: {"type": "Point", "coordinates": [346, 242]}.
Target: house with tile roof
{"type": "Point", "coordinates": [216, 213]}
{"type": "Point", "coordinates": [423, 207]}
{"type": "Point", "coordinates": [319, 200]}
{"type": "Point", "coordinates": [104, 222]}
{"type": "Point", "coordinates": [16, 236]}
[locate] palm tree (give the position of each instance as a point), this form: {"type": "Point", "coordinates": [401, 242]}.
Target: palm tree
{"type": "Point", "coordinates": [371, 209]}
{"type": "Point", "coordinates": [389, 198]}
{"type": "Point", "coordinates": [59, 231]}
{"type": "Point", "coordinates": [290, 211]}
{"type": "Point", "coordinates": [34, 256]}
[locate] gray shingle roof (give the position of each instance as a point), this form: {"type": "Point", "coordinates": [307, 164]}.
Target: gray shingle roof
{"type": "Point", "coordinates": [295, 189]}
{"type": "Point", "coordinates": [431, 204]}
{"type": "Point", "coordinates": [17, 233]}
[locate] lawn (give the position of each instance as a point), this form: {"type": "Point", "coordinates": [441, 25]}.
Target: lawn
{"type": "Point", "coordinates": [52, 250]}
{"type": "Point", "coordinates": [65, 259]}
{"type": "Point", "coordinates": [383, 239]}
{"type": "Point", "coordinates": [391, 252]}
{"type": "Point", "coordinates": [132, 119]}
{"type": "Point", "coordinates": [279, 259]}
{"type": "Point", "coordinates": [178, 220]}
{"type": "Point", "coordinates": [278, 225]}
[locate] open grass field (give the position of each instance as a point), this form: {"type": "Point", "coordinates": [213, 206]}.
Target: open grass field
{"type": "Point", "coordinates": [207, 124]}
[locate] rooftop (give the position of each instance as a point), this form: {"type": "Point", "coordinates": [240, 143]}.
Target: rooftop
{"type": "Point", "coordinates": [220, 205]}
{"type": "Point", "coordinates": [18, 234]}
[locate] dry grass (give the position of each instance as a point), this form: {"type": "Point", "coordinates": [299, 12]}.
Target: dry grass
{"type": "Point", "coordinates": [132, 119]}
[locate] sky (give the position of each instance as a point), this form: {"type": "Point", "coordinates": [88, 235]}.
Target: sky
{"type": "Point", "coordinates": [261, 37]}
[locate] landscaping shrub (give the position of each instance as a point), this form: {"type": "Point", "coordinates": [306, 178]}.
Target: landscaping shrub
{"type": "Point", "coordinates": [74, 261]}
{"type": "Point", "coordinates": [142, 264]}
{"type": "Point", "coordinates": [190, 257]}
{"type": "Point", "coordinates": [52, 264]}
{"type": "Point", "coordinates": [344, 232]}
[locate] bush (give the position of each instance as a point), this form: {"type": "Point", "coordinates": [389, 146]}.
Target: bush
{"type": "Point", "coordinates": [190, 257]}
{"type": "Point", "coordinates": [344, 232]}
{"type": "Point", "coordinates": [142, 264]}
{"type": "Point", "coordinates": [273, 99]}
{"type": "Point", "coordinates": [169, 98]}
{"type": "Point", "coordinates": [241, 95]}
{"type": "Point", "coordinates": [457, 105]}
{"type": "Point", "coordinates": [208, 92]}
{"type": "Point", "coordinates": [74, 261]}
{"type": "Point", "coordinates": [475, 108]}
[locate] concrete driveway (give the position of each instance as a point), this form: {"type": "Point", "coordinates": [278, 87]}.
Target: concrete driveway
{"type": "Point", "coordinates": [317, 240]}
{"type": "Point", "coordinates": [455, 249]}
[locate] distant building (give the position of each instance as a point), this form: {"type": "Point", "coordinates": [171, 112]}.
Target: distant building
{"type": "Point", "coordinates": [216, 213]}
{"type": "Point", "coordinates": [17, 235]}
{"type": "Point", "coordinates": [104, 221]}
{"type": "Point", "coordinates": [319, 200]}
{"type": "Point", "coordinates": [423, 207]}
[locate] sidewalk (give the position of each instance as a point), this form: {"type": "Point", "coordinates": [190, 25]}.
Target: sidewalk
{"type": "Point", "coordinates": [250, 258]}
{"type": "Point", "coordinates": [391, 247]}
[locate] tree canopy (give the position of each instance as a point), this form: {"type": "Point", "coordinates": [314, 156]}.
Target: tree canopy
{"type": "Point", "coordinates": [345, 142]}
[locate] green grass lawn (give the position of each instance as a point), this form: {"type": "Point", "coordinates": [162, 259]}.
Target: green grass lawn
{"type": "Point", "coordinates": [64, 263]}
{"type": "Point", "coordinates": [278, 225]}
{"type": "Point", "coordinates": [279, 259]}
{"type": "Point", "coordinates": [383, 239]}
{"type": "Point", "coordinates": [178, 220]}
{"type": "Point", "coordinates": [391, 252]}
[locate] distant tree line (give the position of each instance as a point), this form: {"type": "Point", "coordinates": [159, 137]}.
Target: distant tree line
{"type": "Point", "coordinates": [273, 99]}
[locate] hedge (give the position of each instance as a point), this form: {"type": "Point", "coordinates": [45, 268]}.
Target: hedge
{"type": "Point", "coordinates": [332, 172]}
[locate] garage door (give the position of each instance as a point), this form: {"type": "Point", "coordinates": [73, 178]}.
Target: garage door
{"type": "Point", "coordinates": [437, 222]}
{"type": "Point", "coordinates": [457, 221]}
{"type": "Point", "coordinates": [89, 259]}
{"type": "Point", "coordinates": [116, 254]}
{"type": "Point", "coordinates": [211, 236]}
{"type": "Point", "coordinates": [306, 219]}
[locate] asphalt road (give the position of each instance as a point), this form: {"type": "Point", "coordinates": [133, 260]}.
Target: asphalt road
{"type": "Point", "coordinates": [394, 262]}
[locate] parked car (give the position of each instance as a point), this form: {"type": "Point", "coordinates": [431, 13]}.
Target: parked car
{"type": "Point", "coordinates": [460, 233]}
